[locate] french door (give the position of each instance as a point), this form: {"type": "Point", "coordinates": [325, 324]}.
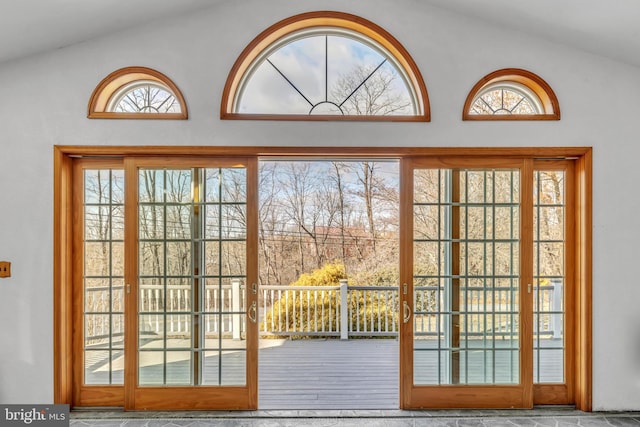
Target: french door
{"type": "Point", "coordinates": [166, 280]}
{"type": "Point", "coordinates": [484, 283]}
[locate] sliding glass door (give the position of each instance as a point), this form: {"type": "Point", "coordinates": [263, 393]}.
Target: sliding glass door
{"type": "Point", "coordinates": [168, 277]}
{"type": "Point", "coordinates": [494, 281]}
{"type": "Point", "coordinates": [466, 293]}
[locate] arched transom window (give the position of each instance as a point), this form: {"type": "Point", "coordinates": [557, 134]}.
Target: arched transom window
{"type": "Point", "coordinates": [325, 66]}
{"type": "Point", "coordinates": [511, 94]}
{"type": "Point", "coordinates": [137, 92]}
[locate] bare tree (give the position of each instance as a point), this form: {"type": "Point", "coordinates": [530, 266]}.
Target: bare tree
{"type": "Point", "coordinates": [366, 90]}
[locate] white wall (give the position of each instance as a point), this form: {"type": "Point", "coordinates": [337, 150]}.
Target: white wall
{"type": "Point", "coordinates": [45, 100]}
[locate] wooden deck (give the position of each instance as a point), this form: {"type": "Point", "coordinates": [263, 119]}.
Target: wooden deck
{"type": "Point", "coordinates": [328, 374]}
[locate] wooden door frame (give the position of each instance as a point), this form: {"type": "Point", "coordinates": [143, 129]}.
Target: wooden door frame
{"type": "Point", "coordinates": [199, 397]}
{"type": "Point", "coordinates": [560, 394]}
{"type": "Point", "coordinates": [63, 159]}
{"type": "Point", "coordinates": [88, 395]}
{"type": "Point", "coordinates": [519, 395]}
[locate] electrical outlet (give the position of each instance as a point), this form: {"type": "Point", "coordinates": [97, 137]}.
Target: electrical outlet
{"type": "Point", "coordinates": [5, 269]}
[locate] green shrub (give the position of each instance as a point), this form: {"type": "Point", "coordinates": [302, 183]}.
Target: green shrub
{"type": "Point", "coordinates": [309, 311]}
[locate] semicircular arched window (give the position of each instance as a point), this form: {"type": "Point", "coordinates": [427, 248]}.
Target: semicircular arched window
{"type": "Point", "coordinates": [511, 94]}
{"type": "Point", "coordinates": [137, 93]}
{"type": "Point", "coordinates": [325, 66]}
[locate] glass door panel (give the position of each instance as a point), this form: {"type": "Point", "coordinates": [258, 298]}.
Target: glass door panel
{"type": "Point", "coordinates": [103, 251]}
{"type": "Point", "coordinates": [194, 328]}
{"type": "Point", "coordinates": [552, 278]}
{"type": "Point", "coordinates": [548, 256]}
{"type": "Point", "coordinates": [99, 282]}
{"type": "Point", "coordinates": [466, 279]}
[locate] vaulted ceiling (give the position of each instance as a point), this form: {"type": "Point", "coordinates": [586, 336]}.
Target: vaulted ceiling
{"type": "Point", "coordinates": [603, 27]}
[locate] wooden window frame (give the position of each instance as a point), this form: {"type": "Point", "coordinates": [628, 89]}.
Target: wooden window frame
{"type": "Point", "coordinates": [531, 81]}
{"type": "Point", "coordinates": [310, 20]}
{"type": "Point", "coordinates": [63, 262]}
{"type": "Point", "coordinates": [110, 85]}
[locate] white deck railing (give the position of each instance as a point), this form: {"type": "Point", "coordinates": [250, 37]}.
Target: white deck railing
{"type": "Point", "coordinates": [340, 311]}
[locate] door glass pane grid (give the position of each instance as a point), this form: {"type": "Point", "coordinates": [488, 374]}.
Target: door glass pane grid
{"type": "Point", "coordinates": [166, 280]}
{"type": "Point", "coordinates": [223, 244]}
{"type": "Point", "coordinates": [549, 277]}
{"type": "Point", "coordinates": [466, 277]}
{"type": "Point", "coordinates": [103, 276]}
{"type": "Point", "coordinates": [192, 271]}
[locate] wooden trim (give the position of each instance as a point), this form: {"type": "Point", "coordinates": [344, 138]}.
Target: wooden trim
{"type": "Point", "coordinates": [406, 279]}
{"type": "Point", "coordinates": [252, 278]}
{"type": "Point", "coordinates": [185, 162]}
{"type": "Point", "coordinates": [64, 159]}
{"type": "Point", "coordinates": [468, 397]}
{"type": "Point", "coordinates": [526, 282]}
{"type": "Point", "coordinates": [139, 397]}
{"type": "Point", "coordinates": [99, 396]}
{"type": "Point", "coordinates": [137, 116]}
{"type": "Point", "coordinates": [563, 394]}
{"type": "Point", "coordinates": [191, 398]}
{"type": "Point", "coordinates": [86, 395]}
{"type": "Point", "coordinates": [526, 78]}
{"type": "Point", "coordinates": [471, 162]}
{"type": "Point", "coordinates": [571, 305]}
{"type": "Point", "coordinates": [131, 283]}
{"type": "Point", "coordinates": [508, 117]}
{"type": "Point", "coordinates": [111, 84]}
{"type": "Point", "coordinates": [77, 283]}
{"type": "Point", "coordinates": [241, 68]}
{"type": "Point", "coordinates": [62, 280]}
{"type": "Point", "coordinates": [551, 394]}
{"type": "Point", "coordinates": [320, 118]}
{"type": "Point", "coordinates": [325, 152]}
{"type": "Point", "coordinates": [583, 272]}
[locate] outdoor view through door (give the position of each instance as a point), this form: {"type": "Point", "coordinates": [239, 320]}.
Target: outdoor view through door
{"type": "Point", "coordinates": [300, 283]}
{"type": "Point", "coordinates": [329, 273]}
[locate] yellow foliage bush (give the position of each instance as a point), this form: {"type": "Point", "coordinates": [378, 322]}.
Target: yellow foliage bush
{"type": "Point", "coordinates": [316, 310]}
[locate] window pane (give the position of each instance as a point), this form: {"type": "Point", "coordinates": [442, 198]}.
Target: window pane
{"type": "Point", "coordinates": [327, 74]}
{"type": "Point", "coordinates": [549, 272]}
{"type": "Point", "coordinates": [466, 314]}
{"type": "Point", "coordinates": [103, 258]}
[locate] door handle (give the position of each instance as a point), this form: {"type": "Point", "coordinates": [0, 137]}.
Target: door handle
{"type": "Point", "coordinates": [252, 312]}
{"type": "Point", "coordinates": [406, 312]}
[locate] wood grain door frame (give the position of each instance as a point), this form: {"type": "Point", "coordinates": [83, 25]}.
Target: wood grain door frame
{"type": "Point", "coordinates": [200, 397]}
{"type": "Point", "coordinates": [63, 266]}
{"type": "Point", "coordinates": [86, 395]}
{"type": "Point", "coordinates": [563, 394]}
{"type": "Point", "coordinates": [518, 395]}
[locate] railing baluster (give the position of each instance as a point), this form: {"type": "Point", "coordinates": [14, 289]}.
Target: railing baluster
{"type": "Point", "coordinates": [322, 310]}
{"type": "Point", "coordinates": [283, 311]}
{"type": "Point", "coordinates": [359, 312]}
{"type": "Point", "coordinates": [308, 310]}
{"type": "Point", "coordinates": [300, 296]}
{"type": "Point", "coordinates": [379, 312]}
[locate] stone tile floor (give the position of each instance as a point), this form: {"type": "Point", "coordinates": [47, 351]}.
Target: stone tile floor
{"type": "Point", "coordinates": [371, 418]}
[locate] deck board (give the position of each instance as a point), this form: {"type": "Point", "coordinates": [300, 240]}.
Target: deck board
{"type": "Point", "coordinates": [321, 373]}
{"type": "Point", "coordinates": [329, 374]}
